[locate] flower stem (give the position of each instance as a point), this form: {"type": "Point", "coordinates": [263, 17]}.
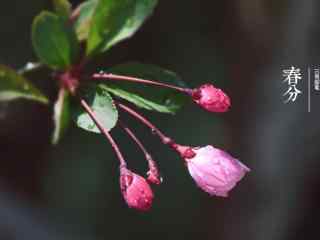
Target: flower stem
{"type": "Point", "coordinates": [163, 138]}
{"type": "Point", "coordinates": [114, 145]}
{"type": "Point", "coordinates": [139, 80]}
{"type": "Point", "coordinates": [135, 139]}
{"type": "Point", "coordinates": [153, 173]}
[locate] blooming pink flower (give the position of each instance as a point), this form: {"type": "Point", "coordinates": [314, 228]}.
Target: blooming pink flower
{"type": "Point", "coordinates": [211, 98]}
{"type": "Point", "coordinates": [214, 170]}
{"type": "Point", "coordinates": [135, 190]}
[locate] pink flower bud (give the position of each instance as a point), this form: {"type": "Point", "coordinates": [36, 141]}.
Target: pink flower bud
{"type": "Point", "coordinates": [210, 98]}
{"type": "Point", "coordinates": [135, 190]}
{"type": "Point", "coordinates": [214, 170]}
{"type": "Point", "coordinates": [153, 173]}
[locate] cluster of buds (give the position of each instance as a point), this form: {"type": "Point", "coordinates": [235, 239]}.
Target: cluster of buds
{"type": "Point", "coordinates": [214, 171]}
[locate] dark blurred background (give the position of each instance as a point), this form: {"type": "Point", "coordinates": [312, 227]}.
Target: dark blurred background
{"type": "Point", "coordinates": [71, 191]}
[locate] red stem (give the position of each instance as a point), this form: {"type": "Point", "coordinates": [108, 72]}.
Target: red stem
{"type": "Point", "coordinates": [114, 145]}
{"type": "Point", "coordinates": [164, 138]}
{"type": "Point", "coordinates": [135, 139]}
{"type": "Point", "coordinates": [139, 80]}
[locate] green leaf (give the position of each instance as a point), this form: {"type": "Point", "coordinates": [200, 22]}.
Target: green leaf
{"type": "Point", "coordinates": [54, 40]}
{"type": "Point", "coordinates": [61, 115]}
{"type": "Point", "coordinates": [102, 104]}
{"type": "Point", "coordinates": [62, 7]}
{"type": "Point", "coordinates": [13, 86]}
{"type": "Point", "coordinates": [114, 21]}
{"type": "Point", "coordinates": [83, 22]}
{"type": "Point", "coordinates": [149, 97]}
{"type": "Point", "coordinates": [108, 19]}
{"type": "Point", "coordinates": [142, 10]}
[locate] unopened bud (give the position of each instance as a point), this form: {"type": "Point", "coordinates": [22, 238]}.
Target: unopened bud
{"type": "Point", "coordinates": [153, 173]}
{"type": "Point", "coordinates": [135, 190]}
{"type": "Point", "coordinates": [211, 98]}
